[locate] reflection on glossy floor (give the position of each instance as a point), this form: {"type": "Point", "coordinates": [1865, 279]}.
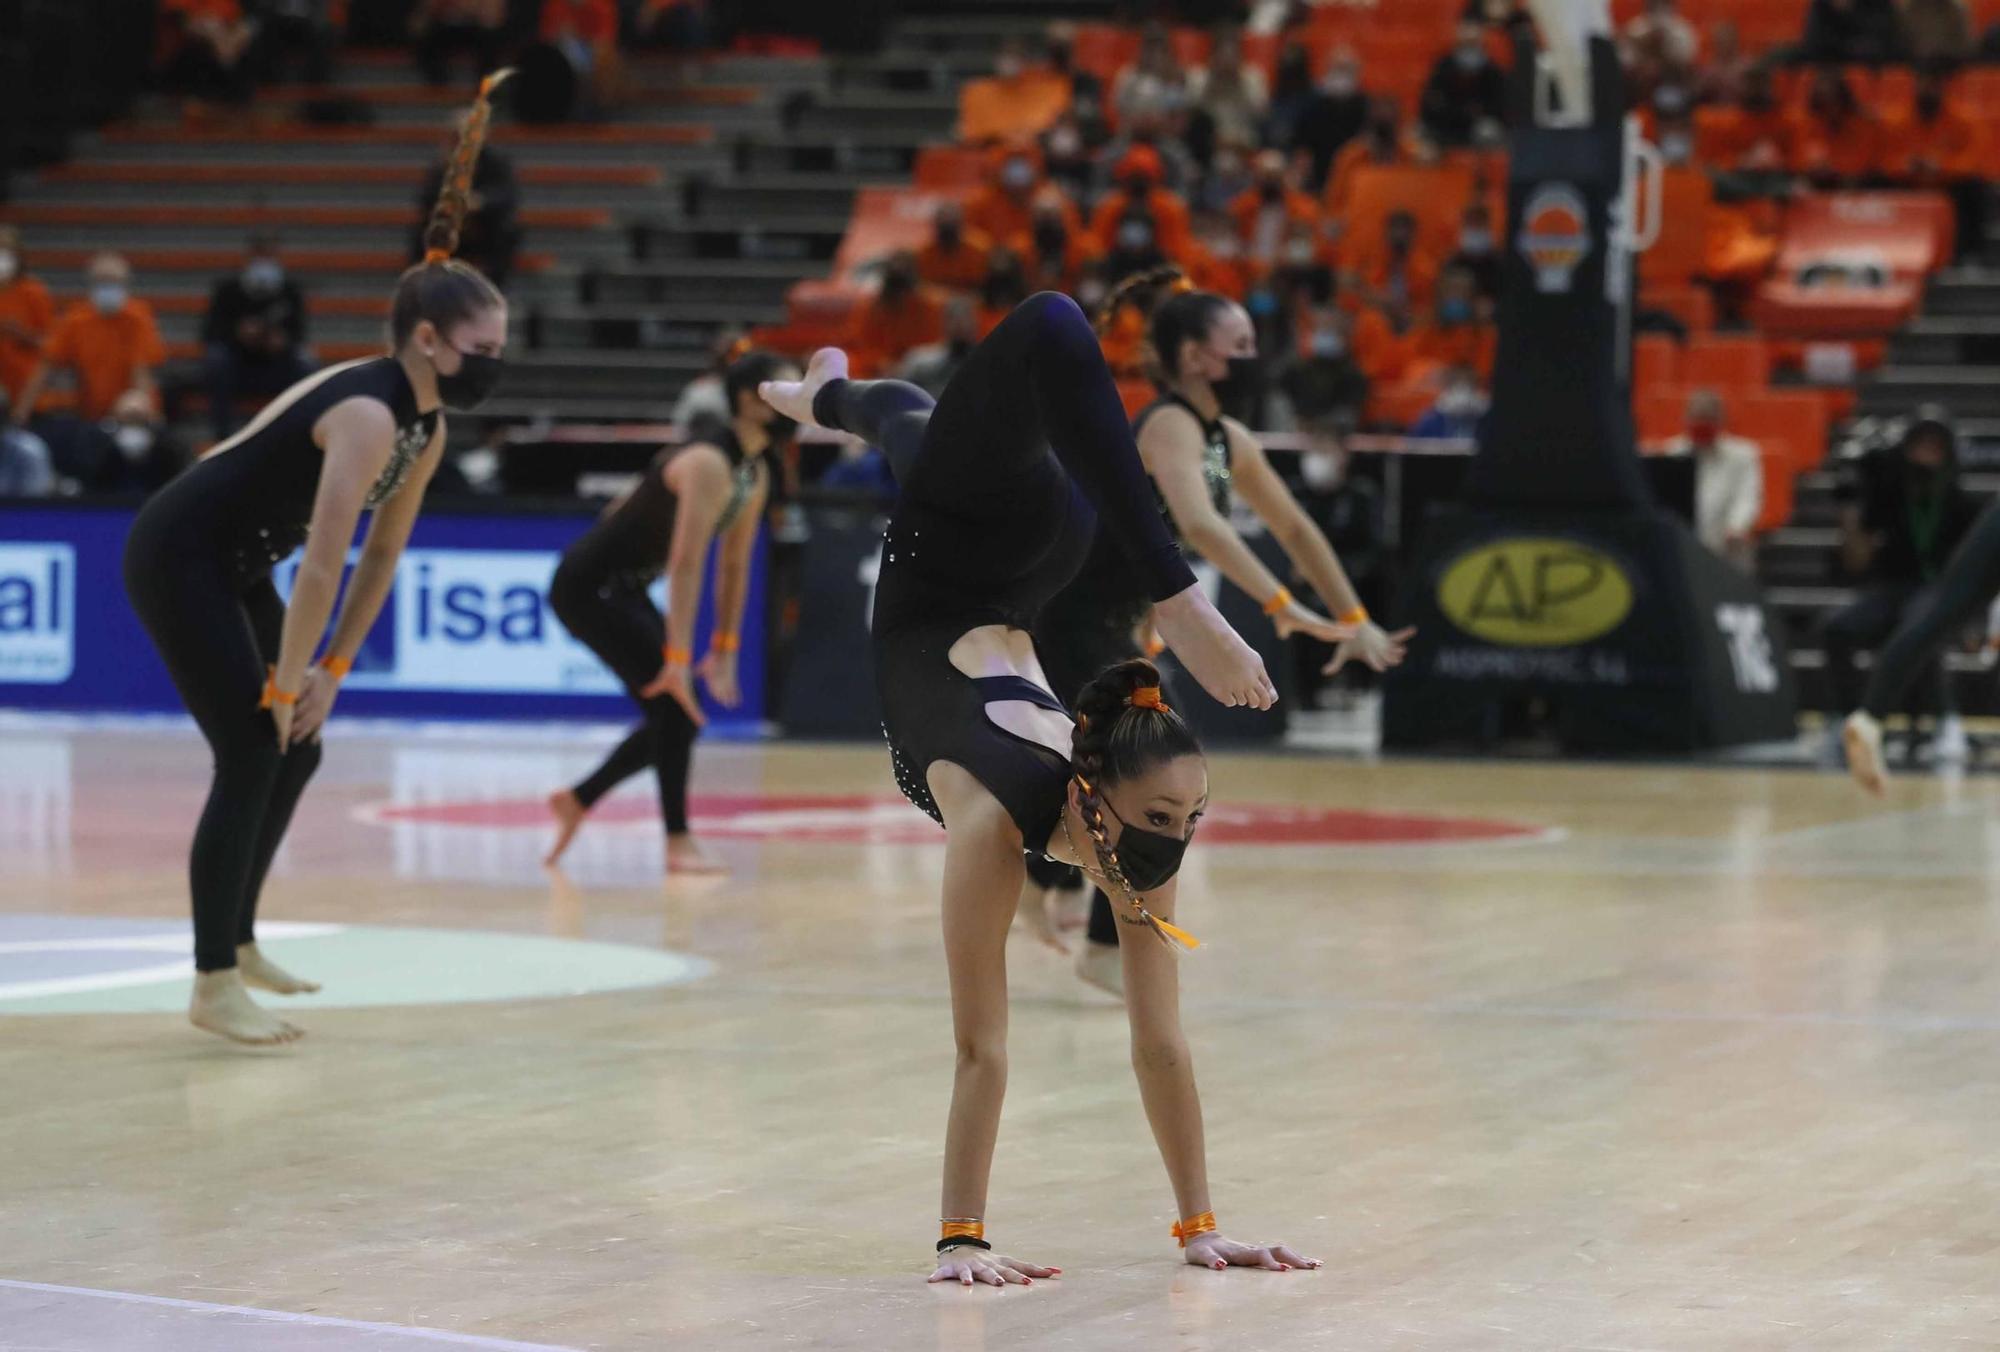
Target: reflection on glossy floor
{"type": "Point", "coordinates": [1701, 1058]}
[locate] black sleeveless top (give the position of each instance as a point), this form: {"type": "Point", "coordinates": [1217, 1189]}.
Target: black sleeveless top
{"type": "Point", "coordinates": [253, 494]}
{"type": "Point", "coordinates": [629, 543]}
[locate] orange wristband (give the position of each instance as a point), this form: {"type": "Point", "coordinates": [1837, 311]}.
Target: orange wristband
{"type": "Point", "coordinates": [724, 642]}
{"type": "Point", "coordinates": [963, 1229]}
{"type": "Point", "coordinates": [336, 666]}
{"type": "Point", "coordinates": [1194, 1225]}
{"type": "Point", "coordinates": [273, 695]}
{"type": "Point", "coordinates": [676, 657]}
{"type": "Point", "coordinates": [1358, 615]}
{"type": "Point", "coordinates": [1279, 600]}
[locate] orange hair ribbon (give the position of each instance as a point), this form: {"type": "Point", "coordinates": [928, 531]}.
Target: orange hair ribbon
{"type": "Point", "coordinates": [1148, 697]}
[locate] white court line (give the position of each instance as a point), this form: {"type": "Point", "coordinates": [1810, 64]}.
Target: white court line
{"type": "Point", "coordinates": [288, 1317]}
{"type": "Point", "coordinates": [121, 978]}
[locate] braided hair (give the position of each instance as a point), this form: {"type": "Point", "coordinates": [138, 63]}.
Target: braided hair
{"type": "Point", "coordinates": [440, 288]}
{"type": "Point", "coordinates": [1175, 312]}
{"type": "Point", "coordinates": [1123, 730]}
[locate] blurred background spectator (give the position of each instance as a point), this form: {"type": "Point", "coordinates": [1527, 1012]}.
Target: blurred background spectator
{"type": "Point", "coordinates": [254, 336]}
{"type": "Point", "coordinates": [444, 29]}
{"type": "Point", "coordinates": [1728, 480]}
{"type": "Point", "coordinates": [27, 314]}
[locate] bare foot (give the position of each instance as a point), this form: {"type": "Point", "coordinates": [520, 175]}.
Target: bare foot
{"type": "Point", "coordinates": [1861, 739]}
{"type": "Point", "coordinates": [1033, 911]}
{"type": "Point", "coordinates": [222, 1005]}
{"type": "Point", "coordinates": [685, 859]}
{"type": "Point", "coordinates": [1214, 654]}
{"type": "Point", "coordinates": [1098, 965]}
{"type": "Point", "coordinates": [569, 812]}
{"type": "Point", "coordinates": [260, 973]}
{"type": "Point", "coordinates": [794, 398]}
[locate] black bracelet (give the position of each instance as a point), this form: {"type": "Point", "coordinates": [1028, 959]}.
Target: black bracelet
{"type": "Point", "coordinates": [944, 1244]}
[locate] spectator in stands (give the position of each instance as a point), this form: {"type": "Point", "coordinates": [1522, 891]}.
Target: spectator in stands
{"type": "Point", "coordinates": [1059, 52]}
{"type": "Point", "coordinates": [492, 233]}
{"type": "Point", "coordinates": [289, 30]}
{"type": "Point", "coordinates": [1291, 94]}
{"type": "Point", "coordinates": [1229, 176]}
{"type": "Point", "coordinates": [109, 344]}
{"type": "Point", "coordinates": [1263, 213]}
{"type": "Point", "coordinates": [1067, 157]}
{"type": "Point", "coordinates": [955, 258]}
{"type": "Point", "coordinates": [863, 470]}
{"type": "Point", "coordinates": [27, 313]}
{"type": "Point", "coordinates": [1157, 134]}
{"type": "Point", "coordinates": [1846, 32]}
{"type": "Point", "coordinates": [1054, 249]}
{"type": "Point", "coordinates": [1018, 99]}
{"type": "Point", "coordinates": [1135, 244]}
{"type": "Point", "coordinates": [1658, 46]}
{"type": "Point", "coordinates": [1721, 76]}
{"type": "Point", "coordinates": [134, 452]}
{"type": "Point", "coordinates": [903, 314]}
{"type": "Point", "coordinates": [1331, 118]}
{"type": "Point", "coordinates": [706, 396]}
{"type": "Point", "coordinates": [1459, 330]}
{"type": "Point", "coordinates": [1381, 142]}
{"type": "Point", "coordinates": [445, 28]}
{"type": "Point", "coordinates": [1478, 250]}
{"type": "Point", "coordinates": [1728, 481]}
{"type": "Point", "coordinates": [1154, 83]}
{"type": "Point", "coordinates": [1937, 34]}
{"type": "Point", "coordinates": [678, 25]}
{"type": "Point", "coordinates": [1902, 513]}
{"type": "Point", "coordinates": [586, 31]}
{"type": "Point", "coordinates": [1465, 89]}
{"type": "Point", "coordinates": [1140, 194]}
{"type": "Point", "coordinates": [1398, 278]}
{"type": "Point", "coordinates": [1834, 140]}
{"type": "Point", "coordinates": [1325, 386]}
{"type": "Point", "coordinates": [254, 338]}
{"type": "Point", "coordinates": [1004, 287]}
{"type": "Point", "coordinates": [1460, 407]}
{"type": "Point", "coordinates": [207, 49]}
{"type": "Point", "coordinates": [932, 365]}
{"type": "Point", "coordinates": [1229, 94]}
{"type": "Point", "coordinates": [26, 468]}
{"type": "Point", "coordinates": [1938, 146]}
{"type": "Point", "coordinates": [1004, 206]}
{"type": "Point", "coordinates": [1754, 135]}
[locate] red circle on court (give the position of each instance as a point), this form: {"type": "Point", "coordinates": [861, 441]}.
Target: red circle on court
{"type": "Point", "coordinates": [861, 819]}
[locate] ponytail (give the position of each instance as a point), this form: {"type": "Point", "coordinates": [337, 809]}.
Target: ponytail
{"type": "Point", "coordinates": [1140, 291]}
{"type": "Point", "coordinates": [1174, 311]}
{"type": "Point", "coordinates": [1123, 729]}
{"type": "Point", "coordinates": [441, 288]}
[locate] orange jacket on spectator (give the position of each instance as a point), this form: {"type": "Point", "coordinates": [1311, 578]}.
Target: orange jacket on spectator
{"type": "Point", "coordinates": [1078, 251]}
{"type": "Point", "coordinates": [1950, 145]}
{"type": "Point", "coordinates": [883, 331]}
{"type": "Point", "coordinates": [1848, 149]}
{"type": "Point", "coordinates": [27, 312]}
{"type": "Point", "coordinates": [1002, 212]}
{"type": "Point", "coordinates": [956, 269]}
{"type": "Point", "coordinates": [1170, 220]}
{"type": "Point", "coordinates": [1728, 137]}
{"type": "Point", "coordinates": [1247, 208]}
{"type": "Point", "coordinates": [595, 22]}
{"type": "Point", "coordinates": [1381, 353]}
{"type": "Point", "coordinates": [1378, 276]}
{"type": "Point", "coordinates": [1000, 108]}
{"type": "Point", "coordinates": [105, 351]}
{"type": "Point", "coordinates": [1456, 345]}
{"type": "Point", "coordinates": [1229, 277]}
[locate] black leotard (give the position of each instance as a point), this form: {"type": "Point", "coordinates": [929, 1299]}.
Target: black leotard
{"type": "Point", "coordinates": [198, 570]}
{"type": "Point", "coordinates": [1004, 481]}
{"type": "Point", "coordinates": [1969, 581]}
{"type": "Point", "coordinates": [631, 540]}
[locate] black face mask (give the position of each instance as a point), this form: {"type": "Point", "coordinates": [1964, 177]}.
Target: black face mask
{"type": "Point", "coordinates": [470, 385]}
{"type": "Point", "coordinates": [1050, 237]}
{"type": "Point", "coordinates": [780, 428]}
{"type": "Point", "coordinates": [1242, 385]}
{"type": "Point", "coordinates": [1147, 858]}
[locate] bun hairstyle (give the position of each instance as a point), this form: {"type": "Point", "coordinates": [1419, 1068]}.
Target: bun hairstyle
{"type": "Point", "coordinates": [1123, 729]}
{"type": "Point", "coordinates": [748, 368]}
{"type": "Point", "coordinates": [1175, 312]}
{"type": "Point", "coordinates": [441, 288]}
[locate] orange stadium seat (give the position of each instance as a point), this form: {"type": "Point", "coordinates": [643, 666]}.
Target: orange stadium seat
{"type": "Point", "coordinates": [1659, 413]}
{"type": "Point", "coordinates": [1793, 421]}
{"type": "Point", "coordinates": [1656, 362]}
{"type": "Point", "coordinates": [1692, 305]}
{"type": "Point", "coordinates": [1730, 364]}
{"type": "Point", "coordinates": [1677, 256]}
{"type": "Point", "coordinates": [1784, 308]}
{"type": "Point", "coordinates": [885, 220]}
{"type": "Point", "coordinates": [947, 167]}
{"type": "Point", "coordinates": [1435, 195]}
{"type": "Point", "coordinates": [1910, 233]}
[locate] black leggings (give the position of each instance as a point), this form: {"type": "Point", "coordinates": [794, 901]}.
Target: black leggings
{"type": "Point", "coordinates": [1968, 582]}
{"type": "Point", "coordinates": [217, 637]}
{"type": "Point", "coordinates": [617, 621]}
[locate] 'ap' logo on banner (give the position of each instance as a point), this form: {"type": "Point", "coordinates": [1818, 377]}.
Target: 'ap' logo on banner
{"type": "Point", "coordinates": [1555, 234]}
{"type": "Point", "coordinates": [37, 613]}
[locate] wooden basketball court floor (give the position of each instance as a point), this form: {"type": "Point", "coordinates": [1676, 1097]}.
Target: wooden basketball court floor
{"type": "Point", "coordinates": [1684, 1058]}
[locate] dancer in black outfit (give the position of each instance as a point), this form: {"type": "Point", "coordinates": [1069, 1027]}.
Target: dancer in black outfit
{"type": "Point", "coordinates": [1003, 482]}
{"type": "Point", "coordinates": [363, 435]}
{"type": "Point", "coordinates": [714, 485]}
{"type": "Point", "coordinates": [1204, 357]}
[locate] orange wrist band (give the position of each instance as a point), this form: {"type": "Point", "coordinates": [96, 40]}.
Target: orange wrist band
{"type": "Point", "coordinates": [725, 642]}
{"type": "Point", "coordinates": [676, 657]}
{"type": "Point", "coordinates": [336, 666]}
{"type": "Point", "coordinates": [272, 694]}
{"type": "Point", "coordinates": [1358, 615]}
{"type": "Point", "coordinates": [1194, 1225]}
{"type": "Point", "coordinates": [962, 1229]}
{"type": "Point", "coordinates": [1279, 600]}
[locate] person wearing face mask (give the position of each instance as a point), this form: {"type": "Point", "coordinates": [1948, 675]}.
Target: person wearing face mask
{"type": "Point", "coordinates": [254, 336]}
{"type": "Point", "coordinates": [108, 342]}
{"type": "Point", "coordinates": [1200, 459]}
{"type": "Point", "coordinates": [1834, 138]}
{"type": "Point", "coordinates": [1229, 91]}
{"type": "Point", "coordinates": [27, 314]}
{"type": "Point", "coordinates": [1155, 83]}
{"type": "Point", "coordinates": [1004, 206]}
{"type": "Point", "coordinates": [1004, 286]}
{"type": "Point", "coordinates": [1398, 277]}
{"type": "Point", "coordinates": [135, 453]}
{"type": "Point", "coordinates": [1331, 118]}
{"type": "Point", "coordinates": [1754, 133]}
{"type": "Point", "coordinates": [1478, 251]}
{"type": "Point", "coordinates": [198, 564]}
{"type": "Point", "coordinates": [1459, 331]}
{"type": "Point", "coordinates": [1138, 176]}
{"type": "Point", "coordinates": [1055, 248]}
{"type": "Point", "coordinates": [903, 314]}
{"type": "Point", "coordinates": [1324, 385]}
{"type": "Point", "coordinates": [1902, 513]}
{"type": "Point", "coordinates": [1004, 482]}
{"type": "Point", "coordinates": [955, 257]}
{"type": "Point", "coordinates": [932, 366]}
{"type": "Point", "coordinates": [1381, 142]}
{"type": "Point", "coordinates": [1464, 88]}
{"type": "Point", "coordinates": [1266, 214]}
{"type": "Point", "coordinates": [1135, 244]}
{"type": "Point", "coordinates": [1459, 409]}
{"type": "Point", "coordinates": [1728, 481]}
{"type": "Point", "coordinates": [690, 496]}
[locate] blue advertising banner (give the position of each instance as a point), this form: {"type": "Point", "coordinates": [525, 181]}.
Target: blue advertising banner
{"type": "Point", "coordinates": [466, 633]}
